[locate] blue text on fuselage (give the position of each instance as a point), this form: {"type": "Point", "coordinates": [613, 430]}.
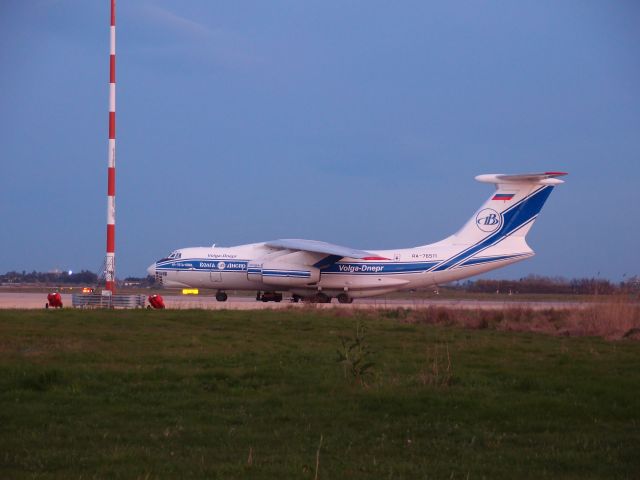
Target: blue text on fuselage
{"type": "Point", "coordinates": [360, 268]}
{"type": "Point", "coordinates": [223, 265]}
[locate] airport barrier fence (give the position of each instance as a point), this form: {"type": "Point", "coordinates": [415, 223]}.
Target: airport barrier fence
{"type": "Point", "coordinates": [96, 300]}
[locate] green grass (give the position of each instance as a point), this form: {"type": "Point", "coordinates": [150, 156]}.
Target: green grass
{"type": "Point", "coordinates": [250, 394]}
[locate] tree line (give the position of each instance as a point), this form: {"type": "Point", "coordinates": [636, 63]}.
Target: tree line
{"type": "Point", "coordinates": [553, 285]}
{"type": "Point", "coordinates": [84, 277]}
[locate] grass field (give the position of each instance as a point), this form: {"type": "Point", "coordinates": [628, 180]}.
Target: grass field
{"type": "Point", "coordinates": [265, 394]}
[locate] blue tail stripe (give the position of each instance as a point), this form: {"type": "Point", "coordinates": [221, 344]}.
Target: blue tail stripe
{"type": "Point", "coordinates": [527, 211]}
{"type": "Point", "coordinates": [513, 219]}
{"type": "Point", "coordinates": [497, 258]}
{"type": "Point", "coordinates": [506, 212]}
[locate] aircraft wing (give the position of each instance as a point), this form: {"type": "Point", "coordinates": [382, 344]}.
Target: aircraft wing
{"type": "Point", "coordinates": [316, 246]}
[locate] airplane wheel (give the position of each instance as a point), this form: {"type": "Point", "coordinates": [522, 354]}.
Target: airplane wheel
{"type": "Point", "coordinates": [322, 298]}
{"type": "Point", "coordinates": [344, 298]}
{"type": "Point", "coordinates": [271, 297]}
{"type": "Point", "coordinates": [221, 297]}
{"type": "Point", "coordinates": [295, 298]}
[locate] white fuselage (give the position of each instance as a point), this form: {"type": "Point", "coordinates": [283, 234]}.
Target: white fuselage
{"type": "Point", "coordinates": [230, 268]}
{"type": "Point", "coordinates": [492, 238]}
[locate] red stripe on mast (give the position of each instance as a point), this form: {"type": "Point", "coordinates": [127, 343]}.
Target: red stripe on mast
{"type": "Point", "coordinates": [112, 69]}
{"type": "Point", "coordinates": [111, 238]}
{"type": "Point", "coordinates": [112, 125]}
{"type": "Point", "coordinates": [111, 184]}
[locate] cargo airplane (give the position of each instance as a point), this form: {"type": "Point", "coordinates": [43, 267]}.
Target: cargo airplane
{"type": "Point", "coordinates": [317, 271]}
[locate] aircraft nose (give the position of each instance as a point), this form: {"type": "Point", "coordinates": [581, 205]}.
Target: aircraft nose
{"type": "Point", "coordinates": [152, 270]}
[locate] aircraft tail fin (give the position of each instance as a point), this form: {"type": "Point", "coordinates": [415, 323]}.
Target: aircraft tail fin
{"type": "Point", "coordinates": [510, 210]}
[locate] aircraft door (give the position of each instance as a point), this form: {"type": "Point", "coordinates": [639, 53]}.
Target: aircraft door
{"type": "Point", "coordinates": [215, 276]}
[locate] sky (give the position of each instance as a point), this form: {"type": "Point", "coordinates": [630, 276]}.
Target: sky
{"type": "Point", "coordinates": [360, 123]}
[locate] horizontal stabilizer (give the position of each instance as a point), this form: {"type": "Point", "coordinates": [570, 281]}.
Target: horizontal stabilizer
{"type": "Point", "coordinates": [316, 246]}
{"type": "Point", "coordinates": [546, 178]}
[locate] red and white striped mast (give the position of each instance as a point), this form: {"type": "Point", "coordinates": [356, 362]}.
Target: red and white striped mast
{"type": "Point", "coordinates": [110, 264]}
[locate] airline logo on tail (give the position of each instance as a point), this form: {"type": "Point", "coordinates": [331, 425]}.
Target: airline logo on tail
{"type": "Point", "coordinates": [488, 220]}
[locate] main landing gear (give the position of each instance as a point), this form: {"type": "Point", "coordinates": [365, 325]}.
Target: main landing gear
{"type": "Point", "coordinates": [221, 296]}
{"type": "Point", "coordinates": [317, 298]}
{"type": "Point", "coordinates": [269, 297]}
{"type": "Point", "coordinates": [344, 298]}
{"type": "Point", "coordinates": [321, 297]}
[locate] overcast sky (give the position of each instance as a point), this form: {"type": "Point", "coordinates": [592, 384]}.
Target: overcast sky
{"type": "Point", "coordinates": [360, 123]}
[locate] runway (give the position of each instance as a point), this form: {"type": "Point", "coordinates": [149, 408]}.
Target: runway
{"type": "Point", "coordinates": [13, 300]}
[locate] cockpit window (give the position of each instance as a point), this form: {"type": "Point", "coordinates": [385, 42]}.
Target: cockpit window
{"type": "Point", "coordinates": [175, 255]}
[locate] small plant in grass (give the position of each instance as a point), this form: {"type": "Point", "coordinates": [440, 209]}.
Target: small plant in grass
{"type": "Point", "coordinates": [42, 381]}
{"type": "Point", "coordinates": [437, 371]}
{"type": "Point", "coordinates": [355, 356]}
{"type": "Point", "coordinates": [396, 313]}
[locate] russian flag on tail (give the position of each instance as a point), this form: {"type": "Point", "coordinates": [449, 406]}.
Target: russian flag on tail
{"type": "Point", "coordinates": [503, 196]}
